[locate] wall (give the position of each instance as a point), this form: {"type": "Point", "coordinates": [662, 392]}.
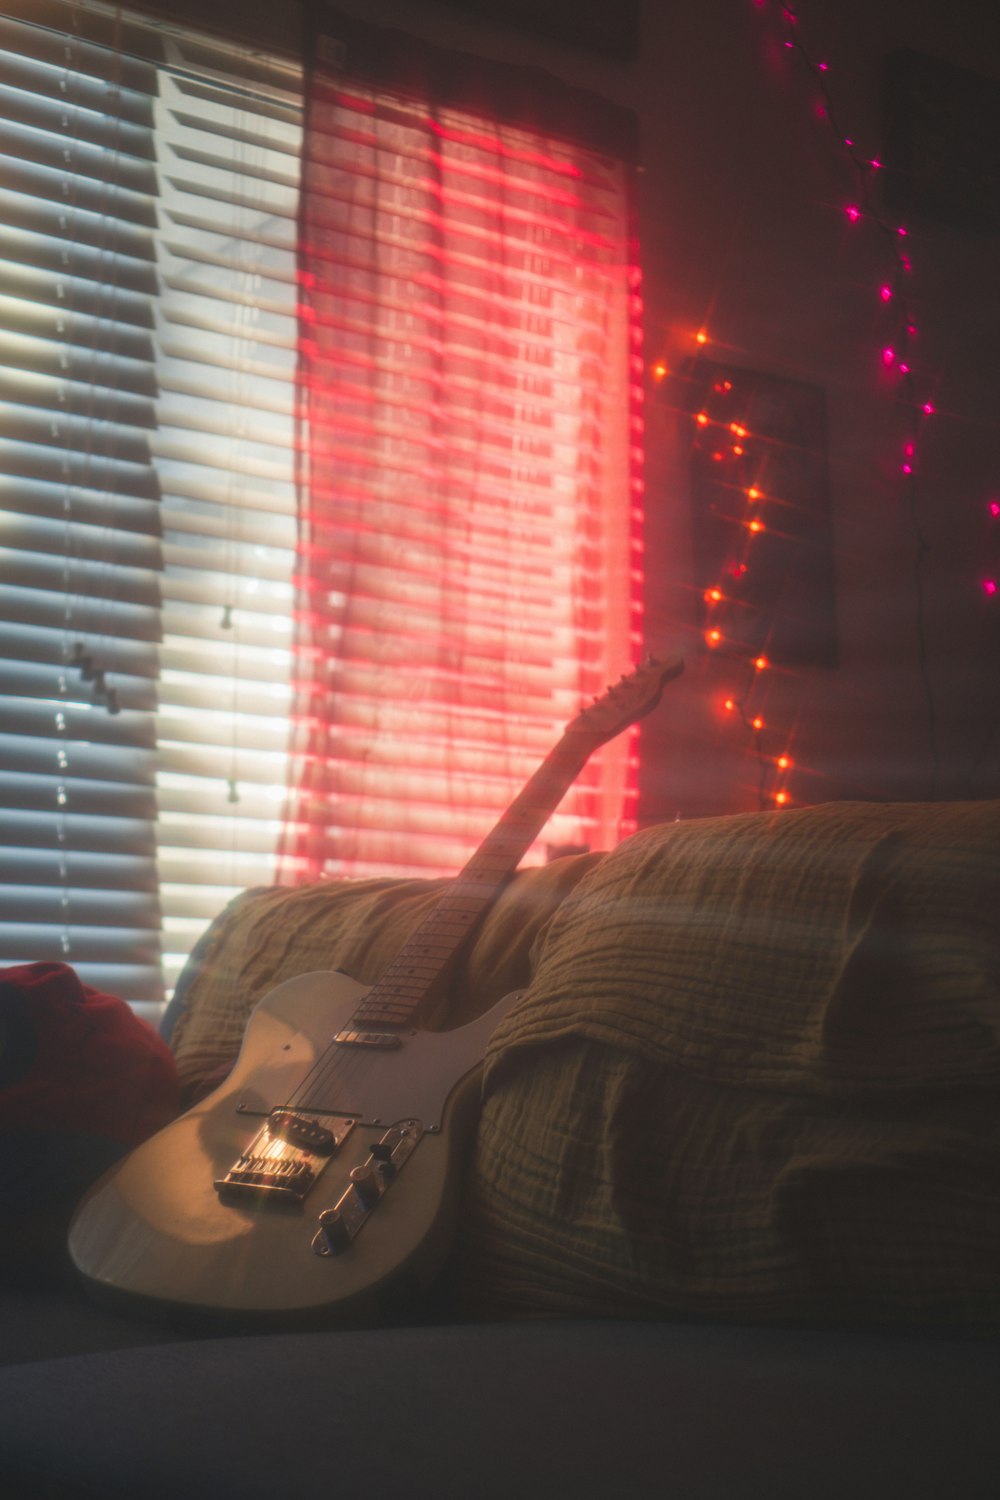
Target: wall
{"type": "Point", "coordinates": [743, 233]}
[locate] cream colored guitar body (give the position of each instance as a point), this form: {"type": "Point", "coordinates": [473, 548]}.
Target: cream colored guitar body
{"type": "Point", "coordinates": [162, 1233]}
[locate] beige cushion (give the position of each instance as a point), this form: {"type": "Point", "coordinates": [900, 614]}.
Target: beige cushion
{"type": "Point", "coordinates": [756, 1076]}
{"type": "Point", "coordinates": [267, 935]}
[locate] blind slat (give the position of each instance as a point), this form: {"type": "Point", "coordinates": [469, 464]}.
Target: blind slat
{"type": "Point", "coordinates": [87, 507]}
{"type": "Point", "coordinates": [87, 834]}
{"type": "Point", "coordinates": [58, 756]}
{"type": "Point", "coordinates": [47, 794]}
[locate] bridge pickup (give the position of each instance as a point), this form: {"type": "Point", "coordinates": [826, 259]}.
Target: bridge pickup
{"type": "Point", "coordinates": [300, 1130]}
{"type": "Point", "coordinates": [282, 1163]}
{"type": "Point", "coordinates": [387, 1040]}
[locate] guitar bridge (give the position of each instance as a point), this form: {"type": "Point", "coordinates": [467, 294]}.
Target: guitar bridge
{"type": "Point", "coordinates": [284, 1160]}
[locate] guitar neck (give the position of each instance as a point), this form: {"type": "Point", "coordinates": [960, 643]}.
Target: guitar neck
{"type": "Point", "coordinates": [424, 959]}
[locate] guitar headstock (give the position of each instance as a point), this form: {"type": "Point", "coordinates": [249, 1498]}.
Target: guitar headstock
{"type": "Point", "coordinates": [631, 698]}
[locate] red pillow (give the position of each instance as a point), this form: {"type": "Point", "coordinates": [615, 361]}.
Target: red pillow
{"type": "Point", "coordinates": [82, 1080]}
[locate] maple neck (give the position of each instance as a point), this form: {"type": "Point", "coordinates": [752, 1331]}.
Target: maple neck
{"type": "Point", "coordinates": [424, 959]}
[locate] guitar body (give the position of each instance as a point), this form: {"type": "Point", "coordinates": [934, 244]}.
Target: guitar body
{"type": "Point", "coordinates": [159, 1236]}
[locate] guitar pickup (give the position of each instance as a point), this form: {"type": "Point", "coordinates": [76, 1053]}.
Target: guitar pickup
{"type": "Point", "coordinates": [384, 1039]}
{"type": "Point", "coordinates": [300, 1130]}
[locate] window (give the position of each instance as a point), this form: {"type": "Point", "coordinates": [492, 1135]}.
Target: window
{"type": "Point", "coordinates": [258, 610]}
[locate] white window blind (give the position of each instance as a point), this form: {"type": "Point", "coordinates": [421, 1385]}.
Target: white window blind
{"type": "Point", "coordinates": [80, 548]}
{"type": "Point", "coordinates": [151, 557]}
{"type": "Point", "coordinates": [147, 509]}
{"type": "Point", "coordinates": [226, 340]}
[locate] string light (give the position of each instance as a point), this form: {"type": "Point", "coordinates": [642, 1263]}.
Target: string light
{"type": "Point", "coordinates": [725, 409]}
{"type": "Point", "coordinates": [896, 350]}
{"type": "Point", "coordinates": [902, 374]}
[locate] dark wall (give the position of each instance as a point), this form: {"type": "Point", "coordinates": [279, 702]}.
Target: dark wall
{"type": "Point", "coordinates": [743, 232]}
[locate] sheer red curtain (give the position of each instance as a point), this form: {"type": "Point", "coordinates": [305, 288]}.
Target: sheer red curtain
{"type": "Point", "coordinates": [469, 566]}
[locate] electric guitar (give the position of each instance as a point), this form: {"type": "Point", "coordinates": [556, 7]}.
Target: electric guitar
{"type": "Point", "coordinates": [319, 1184]}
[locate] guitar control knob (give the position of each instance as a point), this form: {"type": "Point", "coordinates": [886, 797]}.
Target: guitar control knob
{"type": "Point", "coordinates": [366, 1184]}
{"type": "Point", "coordinates": [334, 1230]}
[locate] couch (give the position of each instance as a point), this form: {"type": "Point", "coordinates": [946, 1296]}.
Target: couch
{"type": "Point", "coordinates": [731, 1223]}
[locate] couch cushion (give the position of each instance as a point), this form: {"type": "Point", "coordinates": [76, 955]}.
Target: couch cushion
{"type": "Point", "coordinates": [756, 1076]}
{"type": "Point", "coordinates": [276, 932]}
{"type": "Point", "coordinates": [540, 1411]}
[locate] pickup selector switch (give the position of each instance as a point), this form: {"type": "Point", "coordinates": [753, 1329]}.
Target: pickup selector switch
{"type": "Point", "coordinates": [364, 1188]}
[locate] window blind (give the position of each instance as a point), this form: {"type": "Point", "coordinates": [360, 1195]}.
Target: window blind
{"type": "Point", "coordinates": [203, 664]}
{"type": "Point", "coordinates": [80, 541]}
{"type": "Point", "coordinates": [147, 503]}
{"type": "Point", "coordinates": [224, 451]}
{"type": "Point", "coordinates": [469, 564]}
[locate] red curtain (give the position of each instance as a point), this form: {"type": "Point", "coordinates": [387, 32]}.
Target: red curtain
{"type": "Point", "coordinates": [470, 416]}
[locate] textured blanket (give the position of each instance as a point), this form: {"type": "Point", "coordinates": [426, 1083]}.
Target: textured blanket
{"type": "Point", "coordinates": [276, 932]}
{"type": "Point", "coordinates": [756, 1076]}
